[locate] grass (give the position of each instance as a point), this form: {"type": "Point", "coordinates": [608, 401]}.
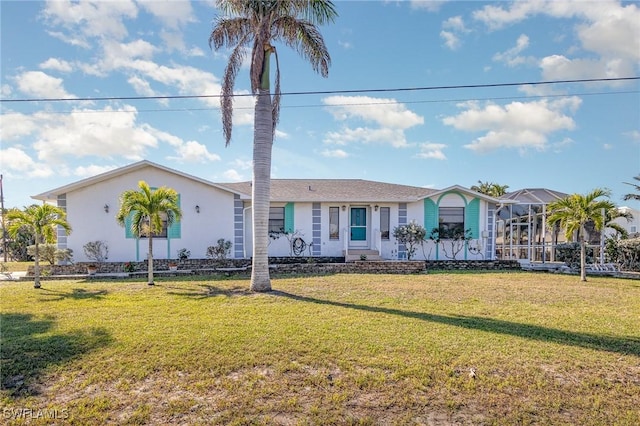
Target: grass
{"type": "Point", "coordinates": [17, 266]}
{"type": "Point", "coordinates": [492, 348]}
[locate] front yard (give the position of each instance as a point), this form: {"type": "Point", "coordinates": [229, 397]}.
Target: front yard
{"type": "Point", "coordinates": [487, 348]}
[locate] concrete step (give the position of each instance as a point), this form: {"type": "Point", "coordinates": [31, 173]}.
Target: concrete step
{"type": "Point", "coordinates": [357, 254]}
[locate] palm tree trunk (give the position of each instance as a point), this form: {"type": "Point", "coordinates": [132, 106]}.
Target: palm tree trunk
{"type": "Point", "coordinates": [150, 261]}
{"type": "Point", "coordinates": [583, 256]}
{"type": "Point", "coordinates": [36, 264]}
{"type": "Point", "coordinates": [261, 191]}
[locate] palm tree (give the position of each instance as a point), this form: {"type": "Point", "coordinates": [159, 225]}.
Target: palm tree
{"type": "Point", "coordinates": [633, 196]}
{"type": "Point", "coordinates": [40, 221]}
{"type": "Point", "coordinates": [257, 24]}
{"type": "Point", "coordinates": [489, 188]}
{"type": "Point", "coordinates": [574, 212]}
{"type": "Point", "coordinates": [146, 209]}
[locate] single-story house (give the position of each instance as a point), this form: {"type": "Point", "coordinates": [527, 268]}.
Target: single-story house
{"type": "Point", "coordinates": [309, 217]}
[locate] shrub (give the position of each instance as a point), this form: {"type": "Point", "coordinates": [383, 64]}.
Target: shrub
{"type": "Point", "coordinates": [183, 254]}
{"type": "Point", "coordinates": [411, 235]}
{"type": "Point", "coordinates": [96, 250]}
{"type": "Point", "coordinates": [569, 253]}
{"type": "Point", "coordinates": [50, 253]}
{"type": "Point", "coordinates": [220, 250]}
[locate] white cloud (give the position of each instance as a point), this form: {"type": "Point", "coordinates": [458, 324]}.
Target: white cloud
{"type": "Point", "coordinates": [89, 132]}
{"type": "Point", "coordinates": [345, 44]}
{"type": "Point", "coordinates": [385, 112]}
{"type": "Point", "coordinates": [455, 23]}
{"type": "Point", "coordinates": [56, 65]}
{"type": "Point", "coordinates": [606, 28]}
{"type": "Point", "coordinates": [14, 125]}
{"type": "Point", "coordinates": [19, 164]}
{"type": "Point", "coordinates": [194, 152]}
{"type": "Point", "coordinates": [516, 125]}
{"type": "Point", "coordinates": [232, 175]}
{"type": "Point", "coordinates": [391, 117]}
{"type": "Point", "coordinates": [172, 14]}
{"type": "Point", "coordinates": [450, 39]}
{"type": "Point", "coordinates": [511, 57]}
{"type": "Point", "coordinates": [41, 85]}
{"type": "Point", "coordinates": [432, 151]}
{"type": "Point", "coordinates": [429, 5]}
{"type": "Point", "coordinates": [91, 170]}
{"type": "Point", "coordinates": [334, 153]}
{"type": "Point", "coordinates": [90, 19]}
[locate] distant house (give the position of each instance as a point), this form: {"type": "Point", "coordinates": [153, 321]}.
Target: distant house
{"type": "Point", "coordinates": [308, 217]}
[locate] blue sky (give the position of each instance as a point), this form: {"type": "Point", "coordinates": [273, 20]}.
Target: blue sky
{"type": "Point", "coordinates": [568, 137]}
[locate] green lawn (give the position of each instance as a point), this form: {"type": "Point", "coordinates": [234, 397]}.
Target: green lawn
{"type": "Point", "coordinates": [322, 350]}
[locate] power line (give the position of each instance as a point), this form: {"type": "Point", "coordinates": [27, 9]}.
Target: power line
{"type": "Point", "coordinates": [337, 105]}
{"type": "Point", "coordinates": [330, 92]}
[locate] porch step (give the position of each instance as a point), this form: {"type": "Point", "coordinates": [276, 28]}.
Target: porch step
{"type": "Point", "coordinates": [356, 255]}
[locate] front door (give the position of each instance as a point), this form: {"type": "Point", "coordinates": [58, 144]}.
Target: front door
{"type": "Point", "coordinates": [358, 227]}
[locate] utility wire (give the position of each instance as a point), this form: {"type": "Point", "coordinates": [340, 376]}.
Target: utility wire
{"type": "Point", "coordinates": [330, 92]}
{"type": "Point", "coordinates": [337, 105]}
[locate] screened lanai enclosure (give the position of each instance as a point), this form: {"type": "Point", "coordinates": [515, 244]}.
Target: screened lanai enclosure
{"type": "Point", "coordinates": [521, 228]}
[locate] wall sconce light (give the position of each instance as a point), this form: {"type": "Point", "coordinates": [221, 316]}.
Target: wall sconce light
{"type": "Point", "coordinates": [344, 208]}
{"type": "Point", "coordinates": [375, 207]}
{"type": "Point", "coordinates": [106, 208]}
{"type": "Point", "coordinates": [197, 208]}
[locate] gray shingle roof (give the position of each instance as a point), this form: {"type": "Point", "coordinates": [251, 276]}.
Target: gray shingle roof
{"type": "Point", "coordinates": [535, 196]}
{"type": "Point", "coordinates": [335, 190]}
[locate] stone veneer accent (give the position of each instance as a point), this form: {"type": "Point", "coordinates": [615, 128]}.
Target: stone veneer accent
{"type": "Point", "coordinates": [285, 265]}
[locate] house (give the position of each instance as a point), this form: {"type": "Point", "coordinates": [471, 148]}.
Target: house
{"type": "Point", "coordinates": [308, 217]}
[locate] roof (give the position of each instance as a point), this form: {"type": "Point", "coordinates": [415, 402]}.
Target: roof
{"type": "Point", "coordinates": [336, 190]}
{"type": "Point", "coordinates": [53, 193]}
{"type": "Point", "coordinates": [535, 196]}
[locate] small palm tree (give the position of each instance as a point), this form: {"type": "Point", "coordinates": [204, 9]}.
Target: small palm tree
{"type": "Point", "coordinates": [491, 189]}
{"type": "Point", "coordinates": [574, 212]}
{"type": "Point", "coordinates": [257, 24]}
{"type": "Point", "coordinates": [41, 221]}
{"type": "Point", "coordinates": [632, 196]}
{"type": "Point", "coordinates": [147, 208]}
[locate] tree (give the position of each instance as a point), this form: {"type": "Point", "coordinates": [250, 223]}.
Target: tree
{"type": "Point", "coordinates": [146, 209]}
{"type": "Point", "coordinates": [41, 221]}
{"type": "Point", "coordinates": [257, 24]}
{"type": "Point", "coordinates": [574, 212]}
{"type": "Point", "coordinates": [632, 196]}
{"type": "Point", "coordinates": [491, 189]}
{"type": "Point", "coordinates": [411, 235]}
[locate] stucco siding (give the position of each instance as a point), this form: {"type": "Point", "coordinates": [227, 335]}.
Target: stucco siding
{"type": "Point", "coordinates": [90, 222]}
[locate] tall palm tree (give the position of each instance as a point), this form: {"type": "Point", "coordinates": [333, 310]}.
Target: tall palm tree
{"type": "Point", "coordinates": [575, 211]}
{"type": "Point", "coordinates": [632, 196]}
{"type": "Point", "coordinates": [258, 24]}
{"type": "Point", "coordinates": [146, 209]}
{"type": "Point", "coordinates": [41, 221]}
{"type": "Point", "coordinates": [489, 188]}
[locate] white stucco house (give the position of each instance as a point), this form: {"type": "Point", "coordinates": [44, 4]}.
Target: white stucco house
{"type": "Point", "coordinates": [321, 217]}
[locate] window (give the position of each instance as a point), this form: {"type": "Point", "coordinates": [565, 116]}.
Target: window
{"type": "Point", "coordinates": [334, 223]}
{"type": "Point", "coordinates": [385, 213]}
{"type": "Point", "coordinates": [163, 232]}
{"type": "Point", "coordinates": [276, 219]}
{"type": "Point", "coordinates": [451, 220]}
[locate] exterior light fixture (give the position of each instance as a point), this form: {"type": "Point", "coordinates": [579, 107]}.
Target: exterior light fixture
{"type": "Point", "coordinates": [344, 208]}
{"type": "Point", "coordinates": [197, 208]}
{"type": "Point", "coordinates": [376, 207]}
{"type": "Point", "coordinates": [106, 208]}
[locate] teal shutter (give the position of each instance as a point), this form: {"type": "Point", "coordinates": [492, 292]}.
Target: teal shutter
{"type": "Point", "coordinates": [472, 217]}
{"type": "Point", "coordinates": [174, 230]}
{"type": "Point", "coordinates": [127, 226]}
{"type": "Point", "coordinates": [288, 218]}
{"type": "Point", "coordinates": [430, 215]}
